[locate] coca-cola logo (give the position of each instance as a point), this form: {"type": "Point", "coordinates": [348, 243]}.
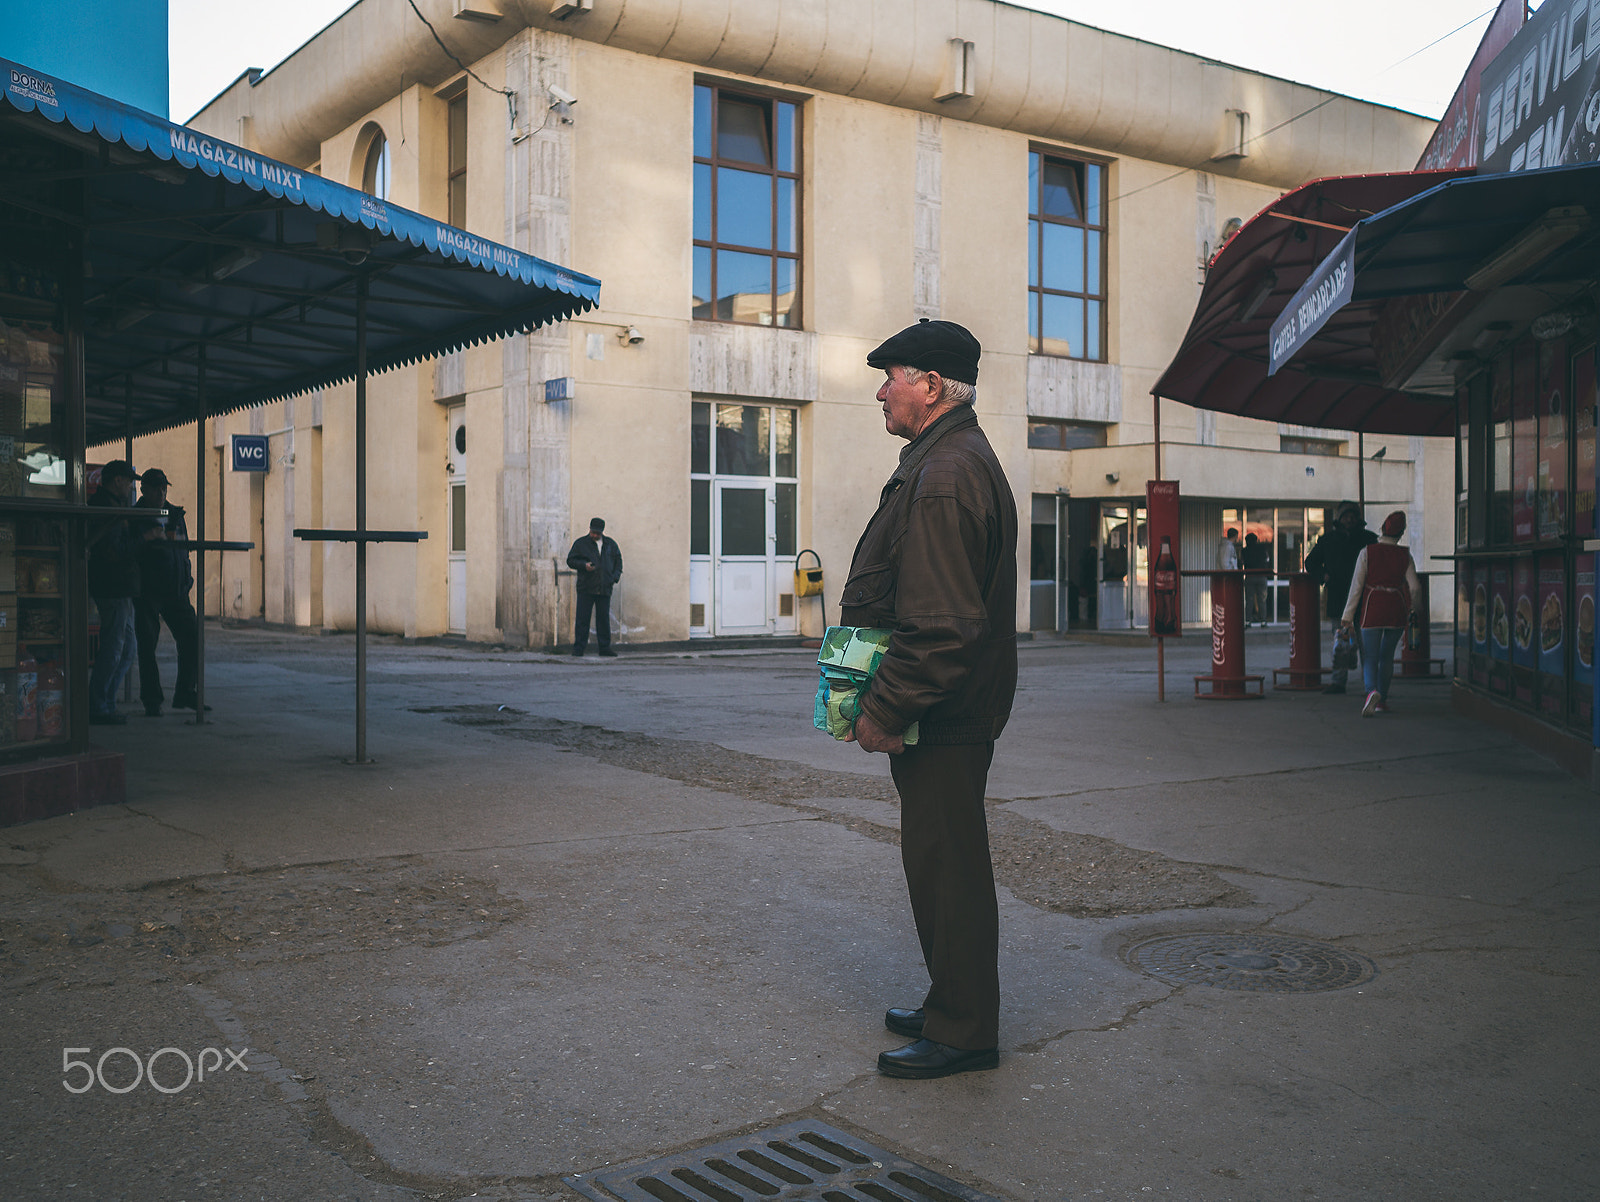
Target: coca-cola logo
{"type": "Point", "coordinates": [1219, 626]}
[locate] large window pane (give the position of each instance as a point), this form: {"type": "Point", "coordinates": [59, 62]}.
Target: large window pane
{"type": "Point", "coordinates": [703, 308]}
{"type": "Point", "coordinates": [742, 131]}
{"type": "Point", "coordinates": [1063, 326]}
{"type": "Point", "coordinates": [699, 517]}
{"type": "Point", "coordinates": [1063, 257]}
{"type": "Point", "coordinates": [744, 521]}
{"type": "Point", "coordinates": [700, 437]}
{"type": "Point", "coordinates": [785, 533]}
{"type": "Point", "coordinates": [783, 430]}
{"type": "Point", "coordinates": [702, 123]}
{"type": "Point", "coordinates": [786, 137]}
{"type": "Point", "coordinates": [744, 208]}
{"type": "Point", "coordinates": [788, 217]}
{"type": "Point", "coordinates": [1059, 197]}
{"type": "Point", "coordinates": [744, 286]}
{"type": "Point", "coordinates": [743, 440]}
{"type": "Point", "coordinates": [702, 202]}
{"type": "Point", "coordinates": [784, 310]}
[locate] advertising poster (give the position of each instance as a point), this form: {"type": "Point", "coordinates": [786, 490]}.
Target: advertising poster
{"type": "Point", "coordinates": [1536, 96]}
{"type": "Point", "coordinates": [1583, 418]}
{"type": "Point", "coordinates": [1453, 143]}
{"type": "Point", "coordinates": [1551, 634]}
{"type": "Point", "coordinates": [1463, 632]}
{"type": "Point", "coordinates": [1583, 675]}
{"type": "Point", "coordinates": [1500, 466]}
{"type": "Point", "coordinates": [1500, 626]}
{"type": "Point", "coordinates": [1480, 625]}
{"type": "Point", "coordinates": [1524, 443]}
{"type": "Point", "coordinates": [1161, 509]}
{"type": "Point", "coordinates": [1524, 588]}
{"type": "Point", "coordinates": [1551, 508]}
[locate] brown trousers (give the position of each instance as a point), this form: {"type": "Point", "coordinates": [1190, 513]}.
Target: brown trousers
{"type": "Point", "coordinates": [944, 845]}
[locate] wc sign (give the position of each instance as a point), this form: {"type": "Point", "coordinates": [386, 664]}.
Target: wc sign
{"type": "Point", "coordinates": [249, 452]}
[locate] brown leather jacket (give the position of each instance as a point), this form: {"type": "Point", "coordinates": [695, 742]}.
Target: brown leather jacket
{"type": "Point", "coordinates": [937, 564]}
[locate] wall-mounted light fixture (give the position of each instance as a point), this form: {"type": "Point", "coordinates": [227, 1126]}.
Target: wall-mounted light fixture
{"type": "Point", "coordinates": [630, 336]}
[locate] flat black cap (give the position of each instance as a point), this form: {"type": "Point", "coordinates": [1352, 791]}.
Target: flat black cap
{"type": "Point", "coordinates": [940, 346]}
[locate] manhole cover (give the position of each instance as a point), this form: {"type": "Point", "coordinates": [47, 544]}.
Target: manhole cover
{"type": "Point", "coordinates": [1253, 963]}
{"type": "Point", "coordinates": [799, 1161]}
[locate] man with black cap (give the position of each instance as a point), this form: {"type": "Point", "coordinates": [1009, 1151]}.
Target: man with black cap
{"type": "Point", "coordinates": [1333, 562]}
{"type": "Point", "coordinates": [598, 562]}
{"type": "Point", "coordinates": [113, 583]}
{"type": "Point", "coordinates": [937, 565]}
{"type": "Point", "coordinates": [165, 579]}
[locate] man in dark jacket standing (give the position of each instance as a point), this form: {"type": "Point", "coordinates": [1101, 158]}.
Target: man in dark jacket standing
{"type": "Point", "coordinates": [113, 583]}
{"type": "Point", "coordinates": [598, 562]}
{"type": "Point", "coordinates": [165, 579]}
{"type": "Point", "coordinates": [1333, 562]}
{"type": "Point", "coordinates": [937, 565]}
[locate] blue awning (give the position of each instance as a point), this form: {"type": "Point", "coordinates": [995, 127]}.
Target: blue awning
{"type": "Point", "coordinates": [192, 241]}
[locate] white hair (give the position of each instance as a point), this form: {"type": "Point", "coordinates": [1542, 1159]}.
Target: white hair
{"type": "Point", "coordinates": [957, 392]}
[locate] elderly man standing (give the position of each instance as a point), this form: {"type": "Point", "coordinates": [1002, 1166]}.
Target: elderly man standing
{"type": "Point", "coordinates": [598, 561]}
{"type": "Point", "coordinates": [937, 565]}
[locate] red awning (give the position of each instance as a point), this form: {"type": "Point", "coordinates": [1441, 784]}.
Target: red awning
{"type": "Point", "coordinates": [1333, 382]}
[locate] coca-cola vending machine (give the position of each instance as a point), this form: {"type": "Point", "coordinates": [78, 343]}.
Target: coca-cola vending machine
{"type": "Point", "coordinates": [1161, 509]}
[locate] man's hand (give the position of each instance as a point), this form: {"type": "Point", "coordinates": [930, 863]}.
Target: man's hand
{"type": "Point", "coordinates": [588, 567]}
{"type": "Point", "coordinates": [873, 737]}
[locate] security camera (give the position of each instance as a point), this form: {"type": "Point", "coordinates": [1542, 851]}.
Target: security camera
{"type": "Point", "coordinates": [559, 95]}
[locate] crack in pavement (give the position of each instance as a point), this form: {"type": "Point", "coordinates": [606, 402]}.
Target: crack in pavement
{"type": "Point", "coordinates": [1063, 872]}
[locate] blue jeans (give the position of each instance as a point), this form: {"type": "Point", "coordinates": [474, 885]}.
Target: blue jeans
{"type": "Point", "coordinates": [118, 647]}
{"type": "Point", "coordinates": [1377, 657]}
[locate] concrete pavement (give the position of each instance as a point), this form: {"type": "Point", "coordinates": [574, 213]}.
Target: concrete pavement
{"type": "Point", "coordinates": [582, 913]}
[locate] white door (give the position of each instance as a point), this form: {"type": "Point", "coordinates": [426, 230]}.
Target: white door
{"type": "Point", "coordinates": [743, 547]}
{"type": "Point", "coordinates": [456, 464]}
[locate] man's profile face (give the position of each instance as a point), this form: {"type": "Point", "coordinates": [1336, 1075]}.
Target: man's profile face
{"type": "Point", "coordinates": [121, 486]}
{"type": "Point", "coordinates": [906, 405]}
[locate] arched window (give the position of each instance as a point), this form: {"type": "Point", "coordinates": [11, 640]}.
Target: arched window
{"type": "Point", "coordinates": [375, 174]}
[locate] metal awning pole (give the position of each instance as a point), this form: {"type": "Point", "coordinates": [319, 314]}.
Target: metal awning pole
{"type": "Point", "coordinates": [200, 537]}
{"type": "Point", "coordinates": [361, 521]}
{"type": "Point", "coordinates": [1361, 473]}
{"type": "Point", "coordinates": [1161, 642]}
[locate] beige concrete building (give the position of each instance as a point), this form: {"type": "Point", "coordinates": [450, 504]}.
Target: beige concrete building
{"type": "Point", "coordinates": [767, 188]}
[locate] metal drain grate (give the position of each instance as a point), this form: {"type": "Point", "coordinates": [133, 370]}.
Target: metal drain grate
{"type": "Point", "coordinates": [1252, 963]}
{"type": "Point", "coordinates": [798, 1162]}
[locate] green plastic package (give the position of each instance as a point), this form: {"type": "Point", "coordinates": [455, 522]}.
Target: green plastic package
{"type": "Point", "coordinates": [849, 657]}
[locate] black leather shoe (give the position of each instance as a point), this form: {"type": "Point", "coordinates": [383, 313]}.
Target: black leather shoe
{"type": "Point", "coordinates": [925, 1059]}
{"type": "Point", "coordinates": [578, 651]}
{"type": "Point", "coordinates": [153, 711]}
{"type": "Point", "coordinates": [905, 1022]}
{"type": "Point", "coordinates": [608, 653]}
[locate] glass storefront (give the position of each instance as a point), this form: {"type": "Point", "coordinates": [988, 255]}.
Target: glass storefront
{"type": "Point", "coordinates": [1525, 574]}
{"type": "Point", "coordinates": [34, 669]}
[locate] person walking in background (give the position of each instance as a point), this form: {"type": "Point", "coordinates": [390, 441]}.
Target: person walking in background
{"type": "Point", "coordinates": [1384, 590]}
{"type": "Point", "coordinates": [1257, 556]}
{"type": "Point", "coordinates": [165, 579]}
{"type": "Point", "coordinates": [598, 562]}
{"type": "Point", "coordinates": [937, 567]}
{"type": "Point", "coordinates": [1332, 562]}
{"type": "Point", "coordinates": [113, 583]}
{"type": "Point", "coordinates": [1228, 551]}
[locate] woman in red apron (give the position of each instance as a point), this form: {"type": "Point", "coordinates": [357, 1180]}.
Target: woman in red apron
{"type": "Point", "coordinates": [1383, 590]}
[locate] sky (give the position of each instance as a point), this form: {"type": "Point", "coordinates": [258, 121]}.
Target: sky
{"type": "Point", "coordinates": [1376, 50]}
